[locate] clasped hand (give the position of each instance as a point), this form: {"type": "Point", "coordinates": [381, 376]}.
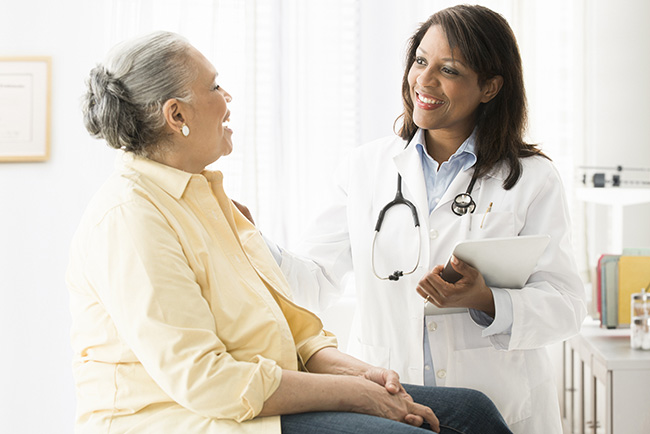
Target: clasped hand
{"type": "Point", "coordinates": [397, 404]}
{"type": "Point", "coordinates": [470, 291]}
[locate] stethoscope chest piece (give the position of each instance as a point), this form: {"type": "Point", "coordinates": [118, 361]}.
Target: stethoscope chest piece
{"type": "Point", "coordinates": [463, 204]}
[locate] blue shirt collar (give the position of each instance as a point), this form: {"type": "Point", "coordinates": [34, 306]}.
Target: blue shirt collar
{"type": "Point", "coordinates": [466, 151]}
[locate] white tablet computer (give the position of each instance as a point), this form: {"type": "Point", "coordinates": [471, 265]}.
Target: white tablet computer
{"type": "Point", "coordinates": [504, 262]}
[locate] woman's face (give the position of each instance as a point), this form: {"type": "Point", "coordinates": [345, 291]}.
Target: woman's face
{"type": "Point", "coordinates": [444, 89]}
{"type": "Point", "coordinates": [209, 137]}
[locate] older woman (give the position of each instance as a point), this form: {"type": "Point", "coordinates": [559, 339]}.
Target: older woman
{"type": "Point", "coordinates": [183, 321]}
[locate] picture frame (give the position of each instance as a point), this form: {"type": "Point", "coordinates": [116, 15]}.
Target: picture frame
{"type": "Point", "coordinates": [25, 99]}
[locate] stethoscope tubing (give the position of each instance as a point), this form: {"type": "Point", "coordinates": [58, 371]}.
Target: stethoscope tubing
{"type": "Point", "coordinates": [462, 204]}
{"type": "Point", "coordinates": [398, 200]}
{"type": "Point", "coordinates": [397, 273]}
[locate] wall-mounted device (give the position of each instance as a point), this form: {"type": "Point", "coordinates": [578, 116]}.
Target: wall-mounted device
{"type": "Point", "coordinates": [615, 176]}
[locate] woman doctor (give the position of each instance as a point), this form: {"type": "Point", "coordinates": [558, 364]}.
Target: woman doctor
{"type": "Point", "coordinates": [462, 132]}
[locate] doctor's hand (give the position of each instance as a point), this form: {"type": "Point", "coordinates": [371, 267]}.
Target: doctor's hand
{"type": "Point", "coordinates": [470, 291]}
{"type": "Point", "coordinates": [244, 210]}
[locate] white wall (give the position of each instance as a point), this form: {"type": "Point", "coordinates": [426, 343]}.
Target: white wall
{"type": "Point", "coordinates": [617, 109]}
{"type": "Point", "coordinates": [40, 206]}
{"type": "Point", "coordinates": [385, 29]}
{"type": "Point", "coordinates": [41, 203]}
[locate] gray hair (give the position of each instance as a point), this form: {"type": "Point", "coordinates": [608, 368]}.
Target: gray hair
{"type": "Point", "coordinates": [125, 96]}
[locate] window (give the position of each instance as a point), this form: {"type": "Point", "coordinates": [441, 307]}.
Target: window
{"type": "Point", "coordinates": [305, 79]}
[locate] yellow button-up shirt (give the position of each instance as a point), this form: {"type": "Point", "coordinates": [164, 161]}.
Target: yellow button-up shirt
{"type": "Point", "coordinates": [182, 320]}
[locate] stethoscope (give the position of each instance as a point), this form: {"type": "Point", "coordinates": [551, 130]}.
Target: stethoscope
{"type": "Point", "coordinates": [462, 204]}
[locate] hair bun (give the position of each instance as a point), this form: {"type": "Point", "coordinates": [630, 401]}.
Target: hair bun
{"type": "Point", "coordinates": [106, 102]}
{"type": "Point", "coordinates": [103, 83]}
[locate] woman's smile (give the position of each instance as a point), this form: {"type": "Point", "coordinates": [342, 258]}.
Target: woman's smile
{"type": "Point", "coordinates": [427, 102]}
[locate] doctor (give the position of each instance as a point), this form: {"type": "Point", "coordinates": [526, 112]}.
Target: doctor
{"type": "Point", "coordinates": [461, 132]}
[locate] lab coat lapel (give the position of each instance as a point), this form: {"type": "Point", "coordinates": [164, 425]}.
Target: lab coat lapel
{"type": "Point", "coordinates": [409, 165]}
{"type": "Point", "coordinates": [462, 180]}
{"type": "Point", "coordinates": [457, 186]}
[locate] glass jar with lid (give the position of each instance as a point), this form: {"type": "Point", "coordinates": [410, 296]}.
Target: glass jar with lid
{"type": "Point", "coordinates": [640, 321]}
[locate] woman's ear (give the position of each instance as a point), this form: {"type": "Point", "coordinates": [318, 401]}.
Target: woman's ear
{"type": "Point", "coordinates": [172, 111]}
{"type": "Point", "coordinates": [491, 88]}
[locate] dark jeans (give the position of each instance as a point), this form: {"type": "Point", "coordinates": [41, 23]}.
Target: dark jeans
{"type": "Point", "coordinates": [458, 410]}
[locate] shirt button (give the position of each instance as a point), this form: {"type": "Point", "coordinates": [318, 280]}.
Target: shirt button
{"type": "Point", "coordinates": [427, 367]}
{"type": "Point", "coordinates": [432, 326]}
{"type": "Point", "coordinates": [433, 234]}
{"type": "Point", "coordinates": [441, 373]}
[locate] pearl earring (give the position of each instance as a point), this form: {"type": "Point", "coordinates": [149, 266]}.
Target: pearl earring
{"type": "Point", "coordinates": [185, 130]}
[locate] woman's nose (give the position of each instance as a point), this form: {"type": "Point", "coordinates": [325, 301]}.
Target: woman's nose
{"type": "Point", "coordinates": [428, 78]}
{"type": "Point", "coordinates": [226, 95]}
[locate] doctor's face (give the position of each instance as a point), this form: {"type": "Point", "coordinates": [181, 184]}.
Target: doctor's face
{"type": "Point", "coordinates": [444, 89]}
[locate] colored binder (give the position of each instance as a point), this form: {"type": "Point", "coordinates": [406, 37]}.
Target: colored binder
{"type": "Point", "coordinates": [597, 293]}
{"type": "Point", "coordinates": [636, 251]}
{"type": "Point", "coordinates": [609, 290]}
{"type": "Point", "coordinates": [633, 276]}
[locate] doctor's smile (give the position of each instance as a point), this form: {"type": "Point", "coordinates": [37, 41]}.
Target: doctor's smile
{"type": "Point", "coordinates": [426, 102]}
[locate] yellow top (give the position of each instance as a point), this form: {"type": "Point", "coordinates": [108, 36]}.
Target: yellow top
{"type": "Point", "coordinates": [182, 320]}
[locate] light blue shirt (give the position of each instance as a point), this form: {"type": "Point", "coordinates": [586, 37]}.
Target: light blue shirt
{"type": "Point", "coordinates": [437, 178]}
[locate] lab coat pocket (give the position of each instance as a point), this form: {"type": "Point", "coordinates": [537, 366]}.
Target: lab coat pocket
{"type": "Point", "coordinates": [492, 224]}
{"type": "Point", "coordinates": [501, 375]}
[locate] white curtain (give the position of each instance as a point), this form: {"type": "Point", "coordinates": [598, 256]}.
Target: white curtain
{"type": "Point", "coordinates": [293, 68]}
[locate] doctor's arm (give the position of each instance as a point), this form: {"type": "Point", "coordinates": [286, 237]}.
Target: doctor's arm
{"type": "Point", "coordinates": [490, 308]}
{"type": "Point", "coordinates": [312, 287]}
{"type": "Point", "coordinates": [551, 307]}
{"type": "Point", "coordinates": [469, 291]}
{"type": "Point", "coordinates": [317, 269]}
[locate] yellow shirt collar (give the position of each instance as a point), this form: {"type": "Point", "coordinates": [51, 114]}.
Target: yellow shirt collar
{"type": "Point", "coordinates": [171, 180]}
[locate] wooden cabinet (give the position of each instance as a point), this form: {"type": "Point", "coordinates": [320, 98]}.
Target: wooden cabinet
{"type": "Point", "coordinates": [606, 384]}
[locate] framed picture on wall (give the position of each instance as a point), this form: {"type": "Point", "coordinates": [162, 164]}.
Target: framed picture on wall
{"type": "Point", "coordinates": [25, 88]}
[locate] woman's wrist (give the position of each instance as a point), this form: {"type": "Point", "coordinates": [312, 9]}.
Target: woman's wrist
{"type": "Point", "coordinates": [331, 361]}
{"type": "Point", "coordinates": [362, 394]}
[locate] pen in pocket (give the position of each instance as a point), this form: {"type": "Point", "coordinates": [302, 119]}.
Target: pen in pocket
{"type": "Point", "coordinates": [489, 208]}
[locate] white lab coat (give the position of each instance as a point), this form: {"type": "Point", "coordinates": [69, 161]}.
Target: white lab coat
{"type": "Point", "coordinates": [513, 369]}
